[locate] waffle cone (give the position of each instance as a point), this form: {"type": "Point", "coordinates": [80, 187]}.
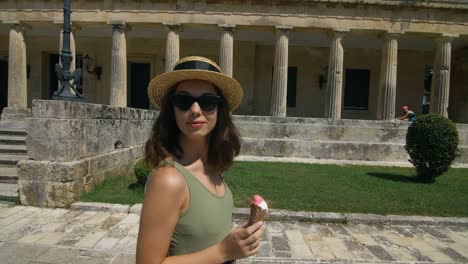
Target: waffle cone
{"type": "Point", "coordinates": [257, 214]}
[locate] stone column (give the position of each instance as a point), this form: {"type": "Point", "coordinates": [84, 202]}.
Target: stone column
{"type": "Point", "coordinates": [441, 75]}
{"type": "Point", "coordinates": [388, 76]}
{"type": "Point", "coordinates": [172, 45]}
{"type": "Point", "coordinates": [118, 82]}
{"type": "Point", "coordinates": [280, 73]}
{"type": "Point", "coordinates": [335, 75]}
{"type": "Point", "coordinates": [17, 83]}
{"type": "Point", "coordinates": [226, 49]}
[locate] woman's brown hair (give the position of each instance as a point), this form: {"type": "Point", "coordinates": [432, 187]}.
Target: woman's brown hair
{"type": "Point", "coordinates": [223, 142]}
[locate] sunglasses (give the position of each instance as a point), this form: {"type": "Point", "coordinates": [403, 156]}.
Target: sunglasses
{"type": "Point", "coordinates": [207, 102]}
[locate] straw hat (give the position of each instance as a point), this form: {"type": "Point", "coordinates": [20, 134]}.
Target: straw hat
{"type": "Point", "coordinates": [195, 67]}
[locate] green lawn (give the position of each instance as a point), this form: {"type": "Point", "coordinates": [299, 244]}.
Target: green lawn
{"type": "Point", "coordinates": [327, 188]}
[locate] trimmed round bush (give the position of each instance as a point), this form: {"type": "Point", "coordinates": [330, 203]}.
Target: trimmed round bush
{"type": "Point", "coordinates": [142, 172]}
{"type": "Point", "coordinates": [432, 144]}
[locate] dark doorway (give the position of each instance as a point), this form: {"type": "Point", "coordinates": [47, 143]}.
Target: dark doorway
{"type": "Point", "coordinates": [291, 88]}
{"type": "Point", "coordinates": [357, 89]}
{"type": "Point", "coordinates": [138, 80]}
{"type": "Point", "coordinates": [53, 85]}
{"type": "Point", "coordinates": [3, 84]}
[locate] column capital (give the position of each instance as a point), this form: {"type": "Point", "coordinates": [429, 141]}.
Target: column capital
{"type": "Point", "coordinates": [59, 24]}
{"type": "Point", "coordinates": [173, 26]}
{"type": "Point", "coordinates": [283, 28]}
{"type": "Point", "coordinates": [227, 27]}
{"type": "Point", "coordinates": [338, 32]}
{"type": "Point", "coordinates": [446, 37]}
{"type": "Point", "coordinates": [16, 24]}
{"type": "Point", "coordinates": [392, 34]}
{"type": "Point", "coordinates": [119, 25]}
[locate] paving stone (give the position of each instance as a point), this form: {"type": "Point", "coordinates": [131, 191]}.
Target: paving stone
{"type": "Point", "coordinates": [280, 243]}
{"type": "Point", "coordinates": [453, 254]}
{"type": "Point", "coordinates": [339, 229]}
{"type": "Point", "coordinates": [124, 259]}
{"type": "Point", "coordinates": [402, 231]}
{"type": "Point", "coordinates": [106, 243]}
{"type": "Point", "coordinates": [98, 218]}
{"type": "Point", "coordinates": [299, 247]}
{"type": "Point", "coordinates": [324, 231]}
{"type": "Point", "coordinates": [338, 248]}
{"type": "Point", "coordinates": [58, 255]}
{"type": "Point", "coordinates": [380, 253]}
{"type": "Point", "coordinates": [51, 238]}
{"type": "Point", "coordinates": [89, 260]}
{"type": "Point", "coordinates": [433, 232]}
{"type": "Point", "coordinates": [265, 250]}
{"type": "Point", "coordinates": [90, 239]}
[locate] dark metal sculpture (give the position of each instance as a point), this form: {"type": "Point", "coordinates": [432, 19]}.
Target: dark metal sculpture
{"type": "Point", "coordinates": [63, 71]}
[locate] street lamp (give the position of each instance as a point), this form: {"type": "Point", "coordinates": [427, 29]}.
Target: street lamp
{"type": "Point", "coordinates": [63, 71]}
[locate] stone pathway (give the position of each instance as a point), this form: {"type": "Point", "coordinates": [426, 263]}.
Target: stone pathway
{"type": "Point", "coordinates": [32, 235]}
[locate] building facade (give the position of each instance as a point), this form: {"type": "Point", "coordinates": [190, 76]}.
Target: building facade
{"type": "Point", "coordinates": [311, 58]}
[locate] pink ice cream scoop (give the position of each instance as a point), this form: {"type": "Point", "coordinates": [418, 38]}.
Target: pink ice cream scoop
{"type": "Point", "coordinates": [258, 210]}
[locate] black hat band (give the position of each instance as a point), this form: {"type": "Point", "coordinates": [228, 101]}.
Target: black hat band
{"type": "Point", "coordinates": [196, 65]}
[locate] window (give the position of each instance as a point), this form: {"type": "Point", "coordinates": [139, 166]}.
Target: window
{"type": "Point", "coordinates": [357, 89]}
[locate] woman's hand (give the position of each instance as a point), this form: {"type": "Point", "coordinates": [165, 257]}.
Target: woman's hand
{"type": "Point", "coordinates": [242, 242]}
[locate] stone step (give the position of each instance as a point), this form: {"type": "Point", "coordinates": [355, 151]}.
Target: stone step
{"type": "Point", "coordinates": [8, 174]}
{"type": "Point", "coordinates": [11, 159]}
{"type": "Point", "coordinates": [333, 150]}
{"type": "Point", "coordinates": [19, 125]}
{"type": "Point", "coordinates": [325, 130]}
{"type": "Point", "coordinates": [9, 192]}
{"type": "Point", "coordinates": [323, 149]}
{"type": "Point", "coordinates": [13, 131]}
{"type": "Point", "coordinates": [313, 132]}
{"type": "Point", "coordinates": [12, 140]}
{"type": "Point", "coordinates": [12, 149]}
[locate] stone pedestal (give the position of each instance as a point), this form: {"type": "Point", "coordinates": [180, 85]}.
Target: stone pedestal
{"type": "Point", "coordinates": [226, 49]}
{"type": "Point", "coordinates": [335, 75]}
{"type": "Point", "coordinates": [74, 146]}
{"type": "Point", "coordinates": [388, 76]}
{"type": "Point", "coordinates": [172, 46]}
{"type": "Point", "coordinates": [17, 82]}
{"type": "Point", "coordinates": [441, 75]}
{"type": "Point", "coordinates": [280, 73]}
{"type": "Point", "coordinates": [118, 94]}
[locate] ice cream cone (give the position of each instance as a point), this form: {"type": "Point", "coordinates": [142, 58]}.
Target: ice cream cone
{"type": "Point", "coordinates": [258, 210]}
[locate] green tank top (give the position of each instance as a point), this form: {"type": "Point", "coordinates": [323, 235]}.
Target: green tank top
{"type": "Point", "coordinates": [206, 222]}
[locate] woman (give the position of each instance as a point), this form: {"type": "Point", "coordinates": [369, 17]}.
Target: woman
{"type": "Point", "coordinates": [187, 210]}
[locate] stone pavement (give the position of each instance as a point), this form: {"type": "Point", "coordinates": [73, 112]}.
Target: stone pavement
{"type": "Point", "coordinates": [30, 235]}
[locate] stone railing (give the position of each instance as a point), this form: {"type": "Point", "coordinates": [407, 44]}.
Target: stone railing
{"type": "Point", "coordinates": [73, 146]}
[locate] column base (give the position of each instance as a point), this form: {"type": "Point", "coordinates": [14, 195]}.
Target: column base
{"type": "Point", "coordinates": [15, 114]}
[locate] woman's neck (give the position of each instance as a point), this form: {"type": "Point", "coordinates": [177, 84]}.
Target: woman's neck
{"type": "Point", "coordinates": [194, 150]}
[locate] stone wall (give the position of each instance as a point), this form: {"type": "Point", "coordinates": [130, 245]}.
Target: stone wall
{"type": "Point", "coordinates": [73, 146]}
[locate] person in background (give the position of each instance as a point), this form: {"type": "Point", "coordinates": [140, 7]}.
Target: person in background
{"type": "Point", "coordinates": [408, 115]}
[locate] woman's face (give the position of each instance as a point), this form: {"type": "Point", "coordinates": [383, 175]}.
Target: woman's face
{"type": "Point", "coordinates": [195, 122]}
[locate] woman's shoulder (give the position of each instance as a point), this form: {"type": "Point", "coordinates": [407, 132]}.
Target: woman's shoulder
{"type": "Point", "coordinates": [167, 177]}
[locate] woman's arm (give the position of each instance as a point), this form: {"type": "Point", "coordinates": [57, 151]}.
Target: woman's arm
{"type": "Point", "coordinates": [165, 197]}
